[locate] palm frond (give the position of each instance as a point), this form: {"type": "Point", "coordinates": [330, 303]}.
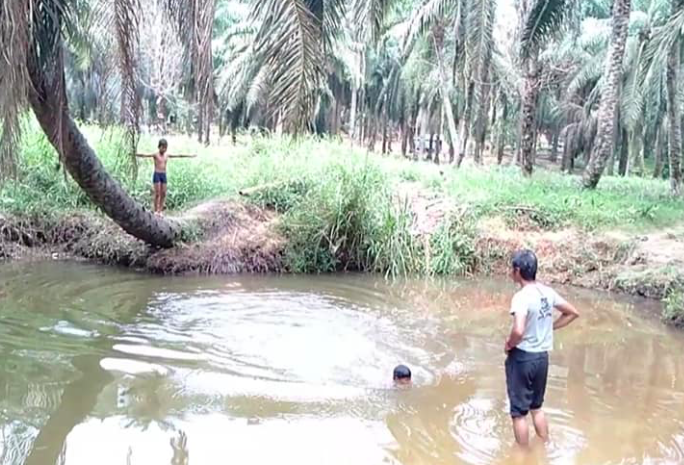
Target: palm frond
{"type": "Point", "coordinates": [370, 17]}
{"type": "Point", "coordinates": [632, 97]}
{"type": "Point", "coordinates": [595, 36]}
{"type": "Point", "coordinates": [258, 90]}
{"type": "Point", "coordinates": [289, 40]}
{"type": "Point", "coordinates": [587, 76]}
{"type": "Point", "coordinates": [506, 76]}
{"type": "Point", "coordinates": [334, 12]}
{"type": "Point", "coordinates": [543, 19]}
{"type": "Point", "coordinates": [424, 18]}
{"type": "Point", "coordinates": [659, 11]}
{"type": "Point", "coordinates": [663, 39]}
{"type": "Point", "coordinates": [639, 22]}
{"type": "Point", "coordinates": [479, 29]}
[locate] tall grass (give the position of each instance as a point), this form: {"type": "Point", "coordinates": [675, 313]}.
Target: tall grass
{"type": "Point", "coordinates": [338, 204]}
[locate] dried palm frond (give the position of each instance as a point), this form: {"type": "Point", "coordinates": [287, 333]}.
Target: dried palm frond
{"type": "Point", "coordinates": [14, 52]}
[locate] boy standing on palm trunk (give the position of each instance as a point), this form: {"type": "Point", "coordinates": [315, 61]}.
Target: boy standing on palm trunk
{"type": "Point", "coordinates": [161, 158]}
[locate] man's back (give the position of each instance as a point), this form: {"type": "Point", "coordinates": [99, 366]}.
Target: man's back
{"type": "Point", "coordinates": [536, 301]}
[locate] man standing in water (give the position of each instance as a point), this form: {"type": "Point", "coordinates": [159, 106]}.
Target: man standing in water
{"type": "Point", "coordinates": [529, 343]}
{"type": "Point", "coordinates": [161, 158]}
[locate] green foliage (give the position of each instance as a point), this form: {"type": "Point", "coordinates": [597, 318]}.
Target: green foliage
{"type": "Point", "coordinates": [553, 200]}
{"type": "Point", "coordinates": [673, 310]}
{"type": "Point", "coordinates": [338, 204]}
{"type": "Point", "coordinates": [543, 19]}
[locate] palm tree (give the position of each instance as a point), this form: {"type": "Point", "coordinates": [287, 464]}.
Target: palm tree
{"type": "Point", "coordinates": [32, 37]}
{"type": "Point", "coordinates": [610, 96]}
{"type": "Point", "coordinates": [669, 40]}
{"type": "Point", "coordinates": [539, 19]}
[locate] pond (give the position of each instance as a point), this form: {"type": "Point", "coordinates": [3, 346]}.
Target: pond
{"type": "Point", "coordinates": [105, 366]}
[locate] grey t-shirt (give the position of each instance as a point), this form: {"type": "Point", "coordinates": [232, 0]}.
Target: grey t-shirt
{"type": "Point", "coordinates": [537, 302]}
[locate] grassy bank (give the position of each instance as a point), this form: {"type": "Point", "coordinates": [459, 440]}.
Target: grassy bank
{"type": "Point", "coordinates": [323, 167]}
{"type": "Point", "coordinates": [339, 206]}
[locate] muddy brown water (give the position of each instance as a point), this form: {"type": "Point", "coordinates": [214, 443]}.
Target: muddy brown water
{"type": "Point", "coordinates": [99, 366]}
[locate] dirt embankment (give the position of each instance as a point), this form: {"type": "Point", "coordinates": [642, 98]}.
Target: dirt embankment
{"type": "Point", "coordinates": [648, 265]}
{"type": "Point", "coordinates": [222, 237]}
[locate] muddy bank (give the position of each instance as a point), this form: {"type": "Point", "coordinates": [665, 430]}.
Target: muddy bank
{"type": "Point", "coordinates": [220, 237]}
{"type": "Point", "coordinates": [648, 265]}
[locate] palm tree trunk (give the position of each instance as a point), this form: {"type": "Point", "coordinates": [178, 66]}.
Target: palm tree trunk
{"type": "Point", "coordinates": [78, 400]}
{"type": "Point", "coordinates": [555, 140]}
{"type": "Point", "coordinates": [444, 87]}
{"type": "Point", "coordinates": [384, 129]}
{"type": "Point", "coordinates": [465, 123]}
{"type": "Point", "coordinates": [636, 165]}
{"type": "Point", "coordinates": [207, 127]}
{"type": "Point", "coordinates": [623, 165]}
{"type": "Point", "coordinates": [609, 99]}
{"type": "Point", "coordinates": [501, 136]}
{"type": "Point", "coordinates": [567, 153]}
{"type": "Point", "coordinates": [200, 124]}
{"type": "Point", "coordinates": [674, 118]}
{"type": "Point", "coordinates": [528, 121]}
{"type": "Point", "coordinates": [610, 169]}
{"type": "Point", "coordinates": [87, 170]}
{"type": "Point", "coordinates": [352, 113]}
{"type": "Point", "coordinates": [659, 149]}
{"type": "Point", "coordinates": [483, 110]}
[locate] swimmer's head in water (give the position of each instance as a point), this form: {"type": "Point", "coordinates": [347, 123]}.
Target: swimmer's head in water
{"type": "Point", "coordinates": [402, 375]}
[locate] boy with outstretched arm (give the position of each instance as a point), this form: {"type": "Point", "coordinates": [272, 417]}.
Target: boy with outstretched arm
{"type": "Point", "coordinates": [161, 158]}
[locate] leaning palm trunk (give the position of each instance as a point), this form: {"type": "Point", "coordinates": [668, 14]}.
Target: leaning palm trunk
{"type": "Point", "coordinates": [84, 166]}
{"type": "Point", "coordinates": [528, 122]}
{"type": "Point", "coordinates": [603, 147]}
{"type": "Point", "coordinates": [674, 119]}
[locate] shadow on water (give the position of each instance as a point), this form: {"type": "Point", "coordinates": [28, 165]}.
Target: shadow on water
{"type": "Point", "coordinates": [109, 367]}
{"type": "Point", "coordinates": [76, 403]}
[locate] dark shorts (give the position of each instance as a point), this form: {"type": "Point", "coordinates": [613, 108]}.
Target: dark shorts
{"type": "Point", "coordinates": [526, 374]}
{"type": "Point", "coordinates": [159, 178]}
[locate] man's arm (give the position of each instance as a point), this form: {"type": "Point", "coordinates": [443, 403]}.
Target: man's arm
{"type": "Point", "coordinates": [182, 156]}
{"type": "Point", "coordinates": [143, 155]}
{"type": "Point", "coordinates": [517, 331]}
{"type": "Point", "coordinates": [568, 314]}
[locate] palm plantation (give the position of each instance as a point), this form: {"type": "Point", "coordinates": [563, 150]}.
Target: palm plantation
{"type": "Point", "coordinates": [589, 85]}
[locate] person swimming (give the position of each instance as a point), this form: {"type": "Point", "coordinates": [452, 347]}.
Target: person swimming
{"type": "Point", "coordinates": [402, 375]}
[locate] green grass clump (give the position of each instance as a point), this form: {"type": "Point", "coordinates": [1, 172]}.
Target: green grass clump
{"type": "Point", "coordinates": [673, 310]}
